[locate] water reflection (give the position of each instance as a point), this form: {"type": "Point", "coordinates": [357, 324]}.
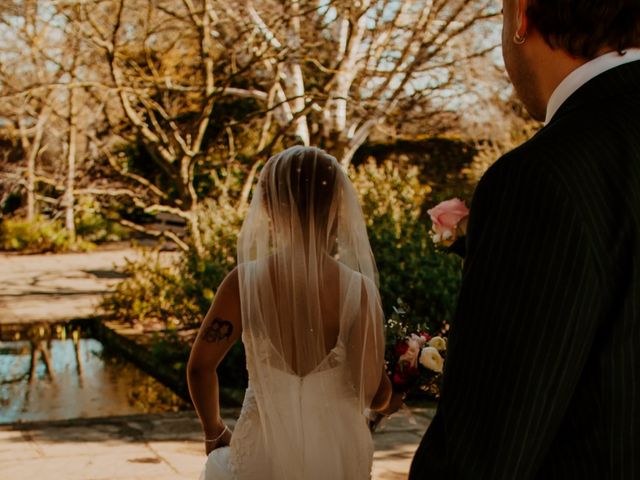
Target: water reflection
{"type": "Point", "coordinates": [52, 373]}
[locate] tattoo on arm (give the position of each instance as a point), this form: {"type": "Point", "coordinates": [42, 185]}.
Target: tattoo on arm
{"type": "Point", "coordinates": [218, 331]}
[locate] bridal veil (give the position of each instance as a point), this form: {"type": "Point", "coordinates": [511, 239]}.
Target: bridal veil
{"type": "Point", "coordinates": [310, 304]}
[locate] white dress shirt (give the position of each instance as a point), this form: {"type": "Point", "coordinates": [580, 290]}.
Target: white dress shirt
{"type": "Point", "coordinates": [584, 73]}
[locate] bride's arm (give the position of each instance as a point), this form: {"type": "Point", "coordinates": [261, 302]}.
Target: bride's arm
{"type": "Point", "coordinates": [220, 329]}
{"type": "Point", "coordinates": [383, 397]}
{"type": "Point", "coordinates": [368, 346]}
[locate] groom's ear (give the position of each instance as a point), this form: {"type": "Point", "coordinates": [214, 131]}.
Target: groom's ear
{"type": "Point", "coordinates": [522, 20]}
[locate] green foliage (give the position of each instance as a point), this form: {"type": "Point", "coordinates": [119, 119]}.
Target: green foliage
{"type": "Point", "coordinates": [93, 223]}
{"type": "Point", "coordinates": [180, 294]}
{"type": "Point", "coordinates": [49, 235]}
{"type": "Point", "coordinates": [412, 272]}
{"type": "Point", "coordinates": [220, 222]}
{"type": "Point", "coordinates": [41, 235]}
{"type": "Point", "coordinates": [152, 295]}
{"type": "Point", "coordinates": [168, 348]}
{"type": "Point", "coordinates": [444, 163]}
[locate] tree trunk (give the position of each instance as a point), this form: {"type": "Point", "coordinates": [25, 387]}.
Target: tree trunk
{"type": "Point", "coordinates": [31, 187]}
{"type": "Point", "coordinates": [32, 149]}
{"type": "Point", "coordinates": [31, 163]}
{"type": "Point", "coordinates": [69, 199]}
{"type": "Point", "coordinates": [29, 150]}
{"type": "Point", "coordinates": [194, 230]}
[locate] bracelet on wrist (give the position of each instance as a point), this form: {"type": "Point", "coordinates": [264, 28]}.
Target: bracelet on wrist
{"type": "Point", "coordinates": [213, 440]}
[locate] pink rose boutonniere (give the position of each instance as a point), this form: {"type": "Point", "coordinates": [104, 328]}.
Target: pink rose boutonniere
{"type": "Point", "coordinates": [449, 221]}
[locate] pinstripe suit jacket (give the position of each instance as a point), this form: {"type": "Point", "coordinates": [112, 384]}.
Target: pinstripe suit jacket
{"type": "Point", "coordinates": [542, 379]}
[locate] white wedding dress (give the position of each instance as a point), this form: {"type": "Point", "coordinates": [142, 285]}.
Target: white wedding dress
{"type": "Point", "coordinates": [306, 277]}
{"type": "Point", "coordinates": [335, 441]}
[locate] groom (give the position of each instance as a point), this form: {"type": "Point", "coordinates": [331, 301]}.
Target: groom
{"type": "Point", "coordinates": [543, 374]}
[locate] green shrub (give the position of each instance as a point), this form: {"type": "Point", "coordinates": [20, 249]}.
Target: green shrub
{"type": "Point", "coordinates": [94, 225]}
{"type": "Point", "coordinates": [220, 222]}
{"type": "Point", "coordinates": [41, 235]}
{"type": "Point", "coordinates": [411, 271]}
{"type": "Point", "coordinates": [152, 295]}
{"type": "Point", "coordinates": [179, 295]}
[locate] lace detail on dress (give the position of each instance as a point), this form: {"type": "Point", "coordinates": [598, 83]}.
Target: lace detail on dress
{"type": "Point", "coordinates": [243, 440]}
{"type": "Point", "coordinates": [335, 358]}
{"type": "Point", "coordinates": [266, 354]}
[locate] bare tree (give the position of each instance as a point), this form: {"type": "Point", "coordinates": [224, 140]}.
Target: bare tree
{"type": "Point", "coordinates": [321, 72]}
{"type": "Point", "coordinates": [44, 96]}
{"type": "Point", "coordinates": [25, 104]}
{"type": "Point", "coordinates": [168, 73]}
{"type": "Point", "coordinates": [347, 67]}
{"type": "Point", "coordinates": [205, 88]}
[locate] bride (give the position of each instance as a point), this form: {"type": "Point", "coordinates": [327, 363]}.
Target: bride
{"type": "Point", "coordinates": [305, 303]}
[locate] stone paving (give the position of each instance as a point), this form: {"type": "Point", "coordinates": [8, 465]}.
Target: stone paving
{"type": "Point", "coordinates": [160, 446]}
{"type": "Point", "coordinates": [157, 447]}
{"type": "Point", "coordinates": [58, 287]}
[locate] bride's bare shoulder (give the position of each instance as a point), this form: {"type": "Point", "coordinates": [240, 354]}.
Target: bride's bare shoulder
{"type": "Point", "coordinates": [230, 286]}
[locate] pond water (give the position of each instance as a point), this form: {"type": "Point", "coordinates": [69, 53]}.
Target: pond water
{"type": "Point", "coordinates": [54, 373]}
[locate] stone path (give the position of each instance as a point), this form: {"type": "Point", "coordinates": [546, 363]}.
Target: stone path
{"type": "Point", "coordinates": [157, 447]}
{"type": "Point", "coordinates": [58, 287]}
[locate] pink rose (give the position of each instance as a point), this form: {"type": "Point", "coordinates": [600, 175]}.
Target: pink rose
{"type": "Point", "coordinates": [413, 352]}
{"type": "Point", "coordinates": [449, 220]}
{"type": "Point", "coordinates": [418, 338]}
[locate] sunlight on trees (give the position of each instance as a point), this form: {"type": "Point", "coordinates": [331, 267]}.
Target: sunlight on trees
{"type": "Point", "coordinates": [155, 105]}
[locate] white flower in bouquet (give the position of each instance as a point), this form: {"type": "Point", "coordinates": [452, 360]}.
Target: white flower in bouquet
{"type": "Point", "coordinates": [419, 339]}
{"type": "Point", "coordinates": [431, 359]}
{"type": "Point", "coordinates": [438, 343]}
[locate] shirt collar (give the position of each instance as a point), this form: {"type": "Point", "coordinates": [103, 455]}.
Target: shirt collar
{"type": "Point", "coordinates": [586, 72]}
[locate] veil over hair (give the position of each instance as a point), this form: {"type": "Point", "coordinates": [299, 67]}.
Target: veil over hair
{"type": "Point", "coordinates": [309, 296]}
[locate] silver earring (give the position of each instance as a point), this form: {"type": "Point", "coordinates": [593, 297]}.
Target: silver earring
{"type": "Point", "coordinates": [519, 39]}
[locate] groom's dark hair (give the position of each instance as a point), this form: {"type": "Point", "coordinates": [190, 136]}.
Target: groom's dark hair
{"type": "Point", "coordinates": [584, 27]}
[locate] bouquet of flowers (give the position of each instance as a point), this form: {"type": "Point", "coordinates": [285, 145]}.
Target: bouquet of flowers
{"type": "Point", "coordinates": [413, 360]}
{"type": "Point", "coordinates": [416, 362]}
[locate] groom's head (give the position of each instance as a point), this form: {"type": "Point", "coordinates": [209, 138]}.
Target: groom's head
{"type": "Point", "coordinates": [544, 40]}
